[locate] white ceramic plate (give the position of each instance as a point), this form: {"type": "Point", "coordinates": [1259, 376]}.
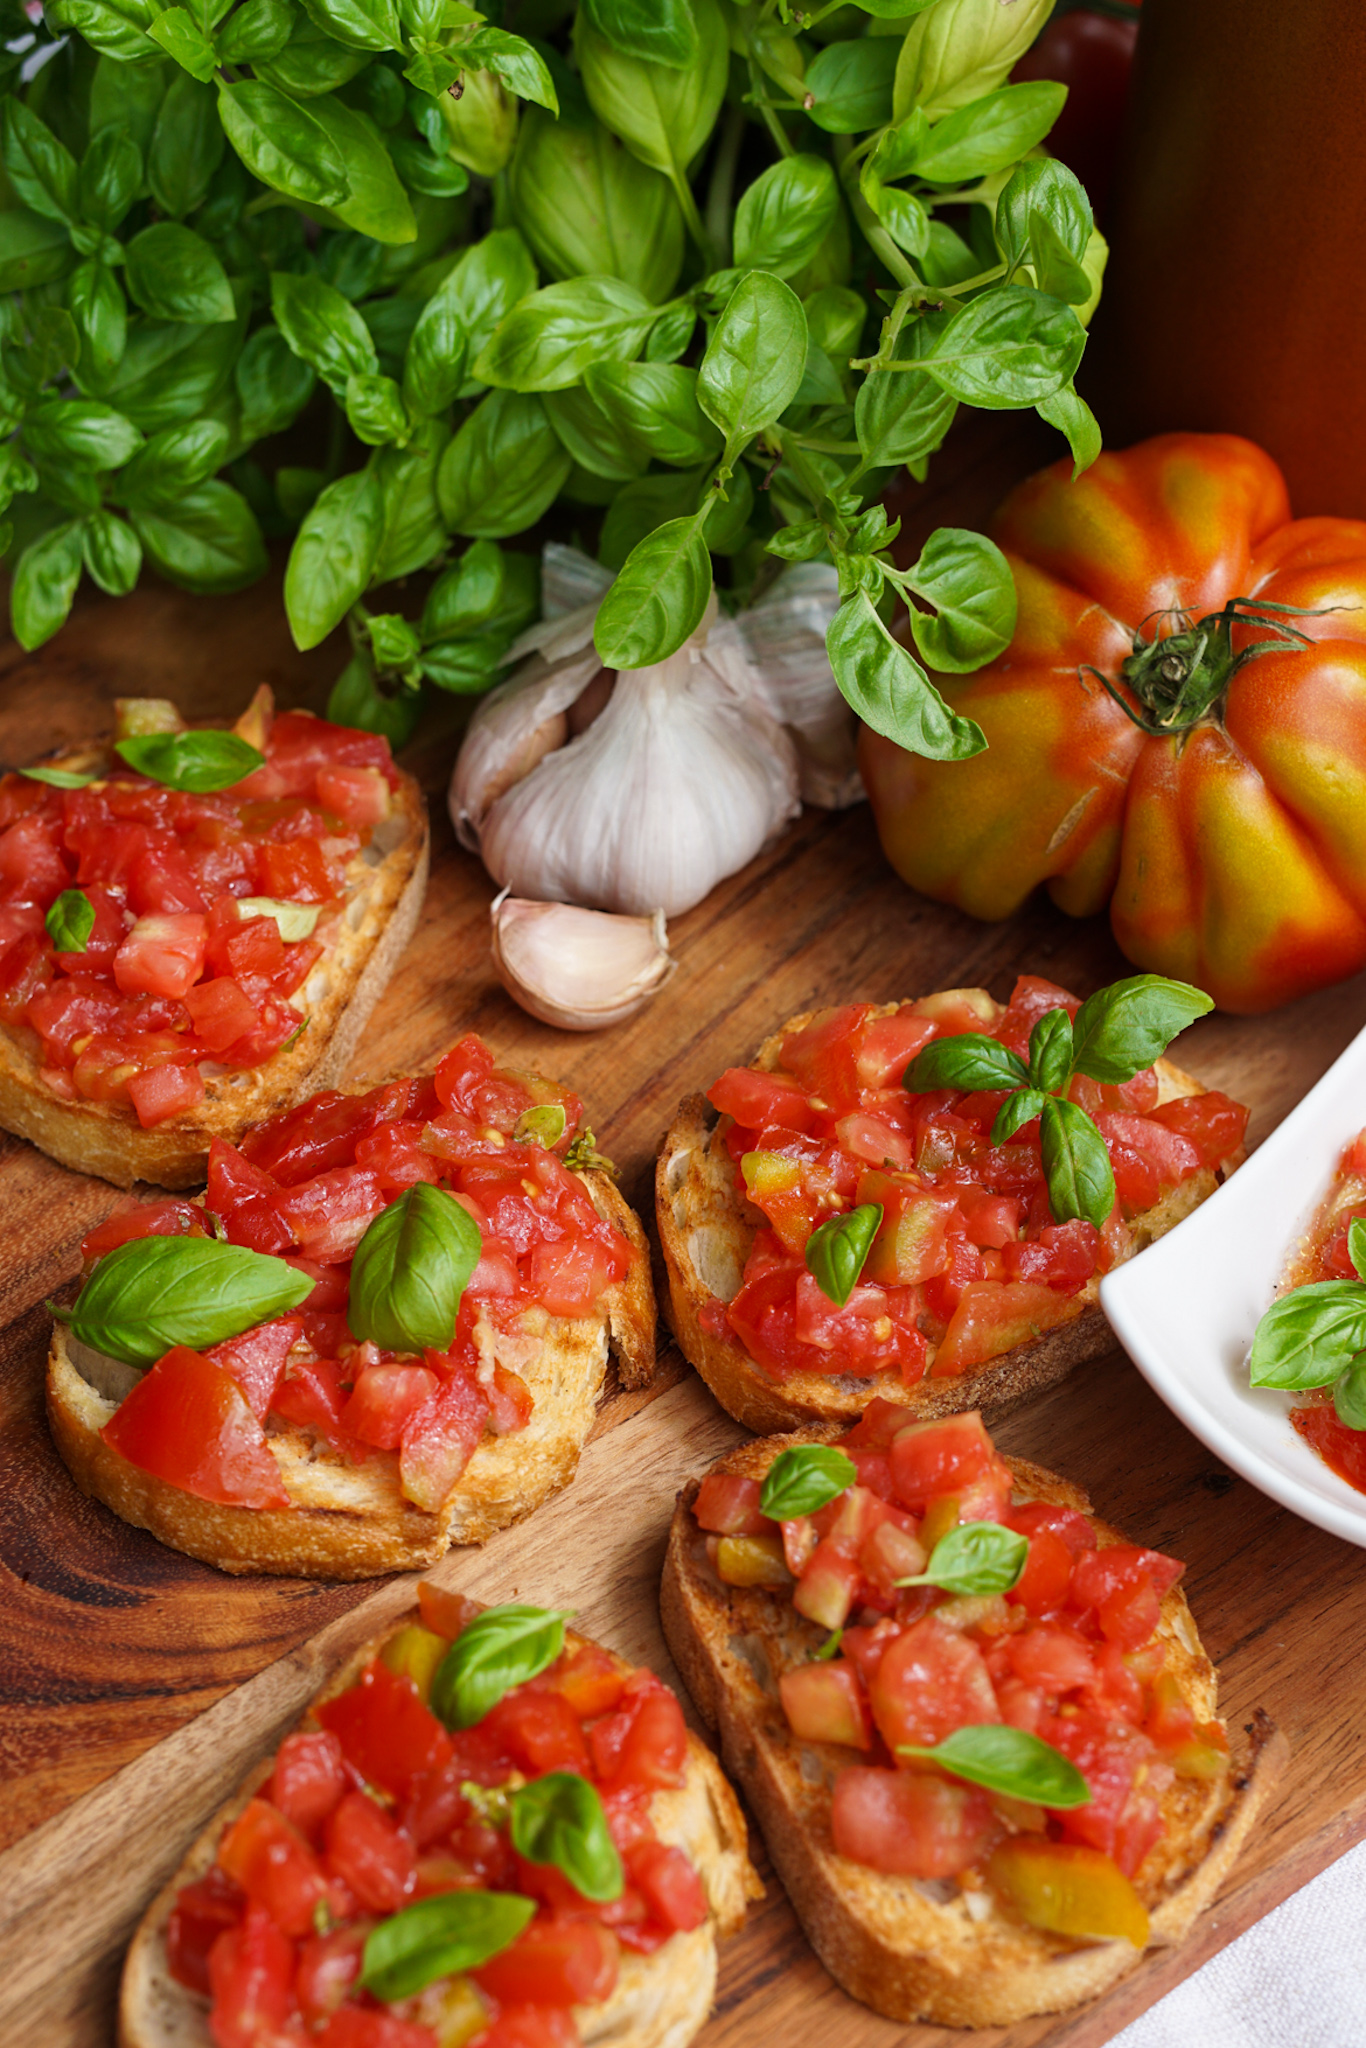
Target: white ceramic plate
{"type": "Point", "coordinates": [1185, 1310]}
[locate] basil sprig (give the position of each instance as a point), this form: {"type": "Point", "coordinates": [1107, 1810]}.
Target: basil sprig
{"type": "Point", "coordinates": [837, 1250]}
{"type": "Point", "coordinates": [806, 1478]}
{"type": "Point", "coordinates": [198, 762]}
{"type": "Point", "coordinates": [62, 778]}
{"type": "Point", "coordinates": [502, 1647]}
{"type": "Point", "coordinates": [974, 1559]}
{"type": "Point", "coordinates": [1315, 1336]}
{"type": "Point", "coordinates": [1008, 1760]}
{"type": "Point", "coordinates": [153, 1293]}
{"type": "Point", "coordinates": [70, 921]}
{"type": "Point", "coordinates": [558, 1819]}
{"type": "Point", "coordinates": [1116, 1034]}
{"type": "Point", "coordinates": [410, 1271]}
{"type": "Point", "coordinates": [440, 1937]}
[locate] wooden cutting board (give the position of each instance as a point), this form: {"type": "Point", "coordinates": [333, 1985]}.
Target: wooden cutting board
{"type": "Point", "coordinates": [136, 1685]}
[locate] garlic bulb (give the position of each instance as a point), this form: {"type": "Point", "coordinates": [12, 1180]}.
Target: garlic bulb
{"type": "Point", "coordinates": [579, 969]}
{"type": "Point", "coordinates": [784, 636]}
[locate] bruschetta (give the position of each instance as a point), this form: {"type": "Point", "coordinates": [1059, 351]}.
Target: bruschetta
{"type": "Point", "coordinates": [972, 1294]}
{"type": "Point", "coordinates": [382, 1330]}
{"type": "Point", "coordinates": [975, 1725]}
{"type": "Point", "coordinates": [486, 1833]}
{"type": "Point", "coordinates": [194, 930]}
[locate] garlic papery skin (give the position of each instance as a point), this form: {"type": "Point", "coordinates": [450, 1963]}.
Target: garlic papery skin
{"type": "Point", "coordinates": [514, 728]}
{"type": "Point", "coordinates": [679, 781]}
{"type": "Point", "coordinates": [784, 635]}
{"type": "Point", "coordinates": [578, 969]}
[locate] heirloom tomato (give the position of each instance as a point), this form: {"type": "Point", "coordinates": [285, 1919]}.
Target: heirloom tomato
{"type": "Point", "coordinates": [1178, 728]}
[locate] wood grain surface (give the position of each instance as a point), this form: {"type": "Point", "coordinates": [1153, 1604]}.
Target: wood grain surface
{"type": "Point", "coordinates": [137, 1685]}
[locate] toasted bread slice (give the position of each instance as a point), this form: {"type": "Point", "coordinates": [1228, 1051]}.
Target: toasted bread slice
{"type": "Point", "coordinates": [706, 1229]}
{"type": "Point", "coordinates": [660, 2000]}
{"type": "Point", "coordinates": [363, 941]}
{"type": "Point", "coordinates": [353, 1521]}
{"type": "Point", "coordinates": [916, 1949]}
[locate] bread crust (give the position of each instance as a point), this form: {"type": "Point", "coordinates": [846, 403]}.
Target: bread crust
{"type": "Point", "coordinates": [660, 2001]}
{"type": "Point", "coordinates": [352, 1521]}
{"type": "Point", "coordinates": [383, 901]}
{"type": "Point", "coordinates": [706, 1229]}
{"type": "Point", "coordinates": [913, 1950]}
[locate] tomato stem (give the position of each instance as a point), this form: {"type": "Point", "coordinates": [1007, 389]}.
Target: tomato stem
{"type": "Point", "coordinates": [1181, 678]}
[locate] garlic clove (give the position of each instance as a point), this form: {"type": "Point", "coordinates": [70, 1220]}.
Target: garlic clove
{"type": "Point", "coordinates": [578, 969]}
{"type": "Point", "coordinates": [512, 730]}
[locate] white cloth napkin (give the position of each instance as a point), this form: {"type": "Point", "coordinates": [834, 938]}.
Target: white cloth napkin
{"type": "Point", "coordinates": [1295, 1980]}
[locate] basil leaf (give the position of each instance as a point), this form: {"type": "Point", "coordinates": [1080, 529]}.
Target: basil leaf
{"type": "Point", "coordinates": [311, 63]}
{"type": "Point", "coordinates": [100, 311]}
{"type": "Point", "coordinates": [440, 1936]}
{"type": "Point", "coordinates": [968, 1060]}
{"type": "Point", "coordinates": [375, 410]}
{"type": "Point", "coordinates": [280, 142]}
{"type": "Point", "coordinates": [116, 31]}
{"type": "Point", "coordinates": [70, 921]}
{"type": "Point", "coordinates": [754, 360]}
{"type": "Point", "coordinates": [975, 1560]}
{"type": "Point", "coordinates": [333, 554]}
{"type": "Point", "coordinates": [174, 460]}
{"type": "Point", "coordinates": [968, 581]}
{"type": "Point", "coordinates": [179, 33]}
{"type": "Point", "coordinates": [375, 202]}
{"type": "Point", "coordinates": [80, 430]}
{"type": "Point", "coordinates": [256, 32]}
{"type": "Point", "coordinates": [33, 250]}
{"type": "Point", "coordinates": [516, 61]}
{"type": "Point", "coordinates": [1043, 218]}
{"type": "Point", "coordinates": [785, 215]}
{"type": "Point", "coordinates": [837, 1250]}
{"type": "Point", "coordinates": [1015, 1112]}
{"type": "Point", "coordinates": [1356, 1245]}
{"type": "Point", "coordinates": [504, 468]}
{"type": "Point", "coordinates": [435, 361]}
{"type": "Point", "coordinates": [44, 586]}
{"type": "Point", "coordinates": [494, 276]}
{"type": "Point", "coordinates": [1009, 1760]}
{"type": "Point", "coordinates": [588, 208]}
{"type": "Point", "coordinates": [41, 169]}
{"type": "Point", "coordinates": [671, 333]}
{"type": "Point", "coordinates": [646, 504]}
{"type": "Point", "coordinates": [596, 439]}
{"type": "Point", "coordinates": [1124, 1028]}
{"type": "Point", "coordinates": [323, 329]}
{"type": "Point", "coordinates": [660, 31]}
{"type": "Point", "coordinates": [153, 1293]}
{"type": "Point", "coordinates": [467, 595]}
{"type": "Point", "coordinates": [359, 24]}
{"type": "Point", "coordinates": [1009, 347]}
{"type": "Point", "coordinates": [655, 406]}
{"type": "Point", "coordinates": [500, 1648]}
{"type": "Point", "coordinates": [900, 416]}
{"type": "Point", "coordinates": [548, 341]}
{"type": "Point", "coordinates": [356, 700]}
{"type": "Point", "coordinates": [172, 370]}
{"type": "Point", "coordinates": [956, 53]}
{"type": "Point", "coordinates": [544, 1125]}
{"type": "Point", "coordinates": [989, 133]}
{"type": "Point", "coordinates": [890, 691]}
{"type": "Point", "coordinates": [1349, 1396]}
{"type": "Point", "coordinates": [111, 552]}
{"type": "Point", "coordinates": [187, 146]}
{"type": "Point", "coordinates": [664, 114]}
{"type": "Point", "coordinates": [1076, 1164]}
{"type": "Point", "coordinates": [61, 778]}
{"type": "Point", "coordinates": [411, 1269]}
{"type": "Point", "coordinates": [1309, 1337]}
{"type": "Point", "coordinates": [805, 1479]}
{"type": "Point", "coordinates": [851, 84]}
{"type": "Point", "coordinates": [1073, 417]}
{"type": "Point", "coordinates": [173, 274]}
{"type": "Point", "coordinates": [109, 177]}
{"type": "Point", "coordinates": [1050, 1052]}
{"type": "Point", "coordinates": [273, 384]}
{"type": "Point", "coordinates": [210, 541]}
{"type": "Point", "coordinates": [658, 599]}
{"type": "Point", "coordinates": [200, 762]}
{"type": "Point", "coordinates": [558, 1819]}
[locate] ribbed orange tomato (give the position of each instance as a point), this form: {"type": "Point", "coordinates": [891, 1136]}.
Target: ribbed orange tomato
{"type": "Point", "coordinates": [1178, 728]}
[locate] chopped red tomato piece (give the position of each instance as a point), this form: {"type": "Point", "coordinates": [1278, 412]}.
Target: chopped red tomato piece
{"type": "Point", "coordinates": [202, 1912]}
{"type": "Point", "coordinates": [930, 1680]}
{"type": "Point", "coordinates": [909, 1824]}
{"type": "Point", "coordinates": [372, 1856]}
{"type": "Point", "coordinates": [667, 1882]}
{"type": "Point", "coordinates": [309, 1780]}
{"type": "Point", "coordinates": [385, 1730]}
{"type": "Point", "coordinates": [256, 1359]}
{"type": "Point", "coordinates": [562, 1963]}
{"type": "Point", "coordinates": [268, 1857]}
{"type": "Point", "coordinates": [251, 1971]}
{"type": "Point", "coordinates": [759, 1102]}
{"type": "Point", "coordinates": [159, 1093]}
{"type": "Point", "coordinates": [162, 955]}
{"type": "Point", "coordinates": [188, 1421]}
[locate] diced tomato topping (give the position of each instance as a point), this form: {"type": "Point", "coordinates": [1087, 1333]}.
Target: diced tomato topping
{"type": "Point", "coordinates": [560, 1963]}
{"type": "Point", "coordinates": [202, 1911]}
{"type": "Point", "coordinates": [758, 1102]}
{"type": "Point", "coordinates": [729, 1505]}
{"type": "Point", "coordinates": [256, 1359]}
{"type": "Point", "coordinates": [167, 1216]}
{"type": "Point", "coordinates": [251, 1972]}
{"type": "Point", "coordinates": [439, 1440]}
{"type": "Point", "coordinates": [669, 1885]}
{"type": "Point", "coordinates": [909, 1824]}
{"type": "Point", "coordinates": [352, 2026]}
{"type": "Point", "coordinates": [188, 1421]}
{"type": "Point", "coordinates": [385, 1730]}
{"type": "Point", "coordinates": [370, 1855]}
{"type": "Point", "coordinates": [272, 1862]}
{"type": "Point", "coordinates": [309, 1780]}
{"type": "Point", "coordinates": [1213, 1123]}
{"type": "Point", "coordinates": [328, 1967]}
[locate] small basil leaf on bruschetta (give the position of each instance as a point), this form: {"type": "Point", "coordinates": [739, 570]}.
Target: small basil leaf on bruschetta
{"type": "Point", "coordinates": [440, 1937]}
{"type": "Point", "coordinates": [198, 762]}
{"type": "Point", "coordinates": [974, 1560]}
{"type": "Point", "coordinates": [837, 1250]}
{"type": "Point", "coordinates": [543, 1125]}
{"type": "Point", "coordinates": [559, 1819]}
{"type": "Point", "coordinates": [1122, 1029]}
{"type": "Point", "coordinates": [500, 1648]}
{"type": "Point", "coordinates": [1310, 1336]}
{"type": "Point", "coordinates": [1050, 1051]}
{"type": "Point", "coordinates": [410, 1271]}
{"type": "Point", "coordinates": [1008, 1760]}
{"type": "Point", "coordinates": [1349, 1396]}
{"type": "Point", "coordinates": [62, 778]}
{"type": "Point", "coordinates": [1015, 1112]}
{"type": "Point", "coordinates": [1356, 1244]}
{"type": "Point", "coordinates": [70, 921]}
{"type": "Point", "coordinates": [1076, 1164]}
{"type": "Point", "coordinates": [804, 1479]}
{"type": "Point", "coordinates": [968, 1060]}
{"type": "Point", "coordinates": [153, 1293]}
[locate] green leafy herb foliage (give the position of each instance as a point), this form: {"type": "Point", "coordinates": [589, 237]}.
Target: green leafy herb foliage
{"type": "Point", "coordinates": [70, 921]}
{"type": "Point", "coordinates": [804, 1479]}
{"type": "Point", "coordinates": [558, 1819]}
{"type": "Point", "coordinates": [500, 1648]}
{"type": "Point", "coordinates": [386, 281]}
{"type": "Point", "coordinates": [837, 1249]}
{"type": "Point", "coordinates": [196, 761]}
{"type": "Point", "coordinates": [1315, 1336]}
{"type": "Point", "coordinates": [410, 1271]}
{"type": "Point", "coordinates": [1117, 1033]}
{"type": "Point", "coordinates": [440, 1937]}
{"type": "Point", "coordinates": [1008, 1760]}
{"type": "Point", "coordinates": [149, 1295]}
{"type": "Point", "coordinates": [974, 1559]}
